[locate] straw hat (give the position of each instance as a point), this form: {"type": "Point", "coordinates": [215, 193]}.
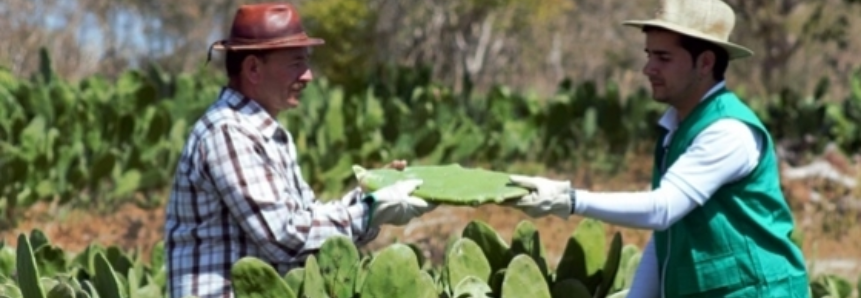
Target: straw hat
{"type": "Point", "coordinates": [710, 20]}
{"type": "Point", "coordinates": [266, 26]}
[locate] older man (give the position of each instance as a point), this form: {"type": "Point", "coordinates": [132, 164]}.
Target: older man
{"type": "Point", "coordinates": [721, 224]}
{"type": "Point", "coordinates": [238, 189]}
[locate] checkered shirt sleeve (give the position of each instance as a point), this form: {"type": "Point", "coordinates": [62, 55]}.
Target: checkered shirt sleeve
{"type": "Point", "coordinates": [237, 193]}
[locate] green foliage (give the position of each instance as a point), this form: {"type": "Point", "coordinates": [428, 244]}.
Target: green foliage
{"type": "Point", "coordinates": [98, 142]}
{"type": "Point", "coordinates": [395, 271]}
{"type": "Point", "coordinates": [339, 270]}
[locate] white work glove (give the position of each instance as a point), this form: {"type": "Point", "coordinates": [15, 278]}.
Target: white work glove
{"type": "Point", "coordinates": [548, 197]}
{"type": "Point", "coordinates": [394, 205]}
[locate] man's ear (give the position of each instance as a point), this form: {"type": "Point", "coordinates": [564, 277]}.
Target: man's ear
{"type": "Point", "coordinates": [706, 63]}
{"type": "Point", "coordinates": [251, 68]}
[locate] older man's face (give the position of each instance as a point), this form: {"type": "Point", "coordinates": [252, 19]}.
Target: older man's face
{"type": "Point", "coordinates": [284, 75]}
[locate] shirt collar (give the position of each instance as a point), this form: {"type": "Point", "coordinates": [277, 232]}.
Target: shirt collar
{"type": "Point", "coordinates": [252, 111]}
{"type": "Point", "coordinates": [668, 120]}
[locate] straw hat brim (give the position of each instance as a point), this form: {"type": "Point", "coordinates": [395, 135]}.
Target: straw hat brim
{"type": "Point", "coordinates": [735, 51]}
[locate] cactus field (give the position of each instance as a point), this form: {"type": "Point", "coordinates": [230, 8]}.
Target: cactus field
{"type": "Point", "coordinates": [86, 166]}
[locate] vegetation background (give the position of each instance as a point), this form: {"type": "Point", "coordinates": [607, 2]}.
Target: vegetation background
{"type": "Point", "coordinates": [805, 49]}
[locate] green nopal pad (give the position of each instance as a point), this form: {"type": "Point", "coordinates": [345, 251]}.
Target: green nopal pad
{"type": "Point", "coordinates": [466, 259]}
{"type": "Point", "coordinates": [408, 282]}
{"type": "Point", "coordinates": [336, 259]}
{"type": "Point", "coordinates": [253, 278]}
{"type": "Point", "coordinates": [446, 184]}
{"type": "Point", "coordinates": [524, 279]}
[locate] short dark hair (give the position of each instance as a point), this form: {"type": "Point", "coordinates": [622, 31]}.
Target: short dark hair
{"type": "Point", "coordinates": [233, 59]}
{"type": "Point", "coordinates": [696, 46]}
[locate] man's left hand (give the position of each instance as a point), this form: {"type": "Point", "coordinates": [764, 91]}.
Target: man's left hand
{"type": "Point", "coordinates": [548, 197]}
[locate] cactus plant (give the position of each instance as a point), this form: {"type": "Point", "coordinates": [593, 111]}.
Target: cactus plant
{"type": "Point", "coordinates": [408, 282]}
{"type": "Point", "coordinates": [526, 240]}
{"type": "Point", "coordinates": [492, 245]}
{"type": "Point", "coordinates": [523, 278]}
{"type": "Point", "coordinates": [465, 259]}
{"type": "Point", "coordinates": [570, 288]}
{"type": "Point", "coordinates": [294, 279]}
{"type": "Point", "coordinates": [584, 253]}
{"type": "Point", "coordinates": [28, 274]}
{"type": "Point", "coordinates": [611, 266]}
{"type": "Point", "coordinates": [107, 283]}
{"type": "Point", "coordinates": [253, 278]}
{"type": "Point", "coordinates": [313, 284]}
{"type": "Point", "coordinates": [472, 287]}
{"type": "Point", "coordinates": [62, 290]}
{"type": "Point", "coordinates": [336, 259]}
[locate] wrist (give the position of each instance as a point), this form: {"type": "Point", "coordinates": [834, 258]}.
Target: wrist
{"type": "Point", "coordinates": [369, 200]}
{"type": "Point", "coordinates": [572, 195]}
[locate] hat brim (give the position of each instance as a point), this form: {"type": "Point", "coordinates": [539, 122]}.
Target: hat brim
{"type": "Point", "coordinates": [735, 51]}
{"type": "Point", "coordinates": [306, 42]}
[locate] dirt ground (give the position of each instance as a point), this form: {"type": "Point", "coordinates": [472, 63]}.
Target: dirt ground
{"type": "Point", "coordinates": [834, 251]}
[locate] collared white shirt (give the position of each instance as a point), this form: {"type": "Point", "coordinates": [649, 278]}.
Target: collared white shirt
{"type": "Point", "coordinates": [725, 151]}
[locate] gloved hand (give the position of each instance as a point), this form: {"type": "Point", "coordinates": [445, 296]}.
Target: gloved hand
{"type": "Point", "coordinates": [394, 205]}
{"type": "Point", "coordinates": [549, 196]}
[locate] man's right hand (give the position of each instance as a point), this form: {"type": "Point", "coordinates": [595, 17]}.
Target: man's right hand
{"type": "Point", "coordinates": [394, 205]}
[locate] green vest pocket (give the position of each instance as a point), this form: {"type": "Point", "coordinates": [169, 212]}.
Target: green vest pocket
{"type": "Point", "coordinates": [711, 276]}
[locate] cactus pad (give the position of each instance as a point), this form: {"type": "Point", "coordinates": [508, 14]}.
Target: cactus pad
{"type": "Point", "coordinates": [408, 282]}
{"type": "Point", "coordinates": [524, 279]}
{"type": "Point", "coordinates": [336, 259]}
{"type": "Point", "coordinates": [446, 184]}
{"type": "Point", "coordinates": [253, 278]}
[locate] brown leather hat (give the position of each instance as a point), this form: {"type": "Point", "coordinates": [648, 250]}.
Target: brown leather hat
{"type": "Point", "coordinates": [266, 26]}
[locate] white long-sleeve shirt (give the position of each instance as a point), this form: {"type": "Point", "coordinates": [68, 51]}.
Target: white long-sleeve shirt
{"type": "Point", "coordinates": [725, 151]}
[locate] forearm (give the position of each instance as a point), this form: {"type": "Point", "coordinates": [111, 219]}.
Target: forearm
{"type": "Point", "coordinates": [284, 231]}
{"type": "Point", "coordinates": [654, 210]}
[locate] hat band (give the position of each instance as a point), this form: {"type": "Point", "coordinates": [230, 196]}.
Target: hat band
{"type": "Point", "coordinates": [238, 41]}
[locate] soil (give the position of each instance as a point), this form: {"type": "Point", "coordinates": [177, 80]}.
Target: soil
{"type": "Point", "coordinates": [831, 250]}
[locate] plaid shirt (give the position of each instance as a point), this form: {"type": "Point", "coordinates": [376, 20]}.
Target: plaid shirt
{"type": "Point", "coordinates": [238, 191]}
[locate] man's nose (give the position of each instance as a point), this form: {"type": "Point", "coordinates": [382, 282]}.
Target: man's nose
{"type": "Point", "coordinates": [649, 68]}
{"type": "Point", "coordinates": [307, 76]}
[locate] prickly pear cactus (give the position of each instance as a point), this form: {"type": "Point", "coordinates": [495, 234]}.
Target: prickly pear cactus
{"type": "Point", "coordinates": [294, 279]}
{"type": "Point", "coordinates": [28, 274]}
{"type": "Point", "coordinates": [496, 280]}
{"type": "Point", "coordinates": [408, 282]}
{"type": "Point", "coordinates": [62, 290]}
{"type": "Point", "coordinates": [584, 253]}
{"type": "Point", "coordinates": [570, 288]}
{"type": "Point", "coordinates": [628, 252]}
{"type": "Point", "coordinates": [446, 184]}
{"type": "Point", "coordinates": [524, 279]}
{"type": "Point", "coordinates": [313, 284]}
{"type": "Point", "coordinates": [472, 287]}
{"type": "Point", "coordinates": [466, 259]}
{"type": "Point", "coordinates": [254, 278]}
{"type": "Point", "coordinates": [611, 266]}
{"type": "Point", "coordinates": [526, 240]}
{"type": "Point", "coordinates": [492, 245]}
{"type": "Point", "coordinates": [106, 281]}
{"type": "Point", "coordinates": [336, 259]}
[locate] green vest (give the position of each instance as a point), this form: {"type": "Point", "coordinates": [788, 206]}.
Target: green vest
{"type": "Point", "coordinates": [737, 244]}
